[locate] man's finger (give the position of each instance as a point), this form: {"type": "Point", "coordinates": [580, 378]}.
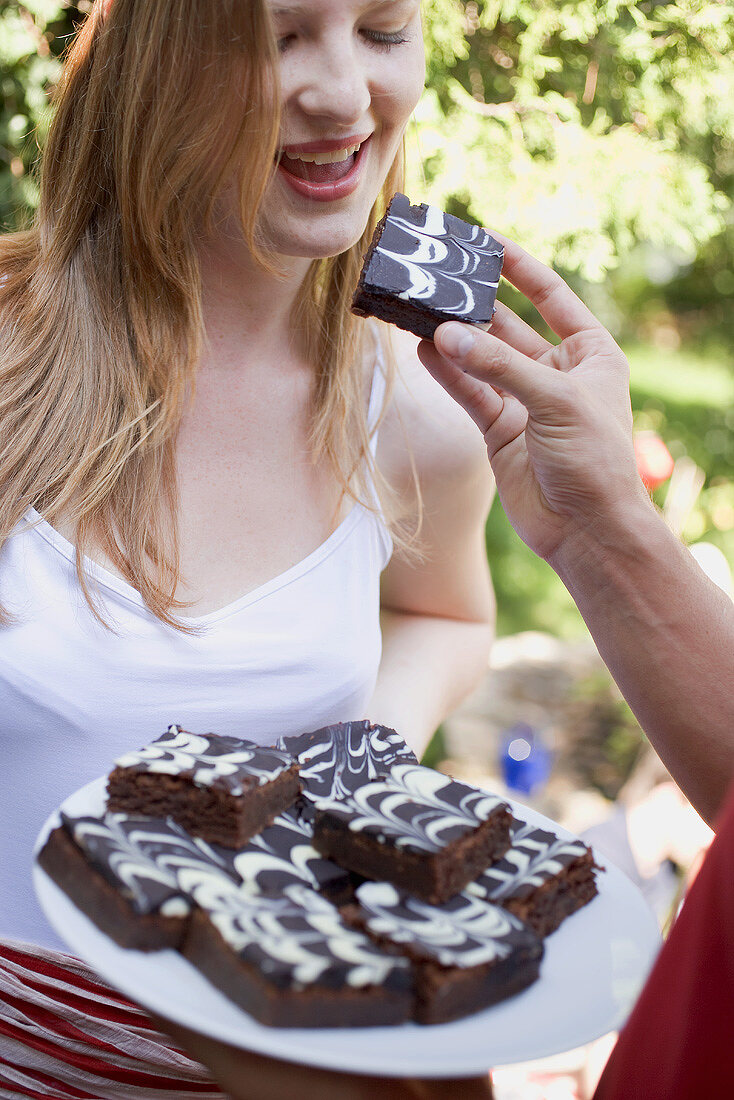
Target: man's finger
{"type": "Point", "coordinates": [519, 335]}
{"type": "Point", "coordinates": [552, 297]}
{"type": "Point", "coordinates": [484, 357]}
{"type": "Point", "coordinates": [481, 402]}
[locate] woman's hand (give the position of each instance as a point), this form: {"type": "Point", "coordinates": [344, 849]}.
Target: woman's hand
{"type": "Point", "coordinates": [556, 418]}
{"type": "Point", "coordinates": [245, 1075]}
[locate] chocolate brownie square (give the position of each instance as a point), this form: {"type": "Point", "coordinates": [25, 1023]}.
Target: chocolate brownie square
{"type": "Point", "coordinates": [466, 954]}
{"type": "Point", "coordinates": [128, 895]}
{"type": "Point", "coordinates": [541, 878]}
{"type": "Point", "coordinates": [338, 758]}
{"type": "Point", "coordinates": [291, 961]}
{"type": "Point", "coordinates": [424, 832]}
{"type": "Point", "coordinates": [425, 267]}
{"type": "Point", "coordinates": [220, 788]}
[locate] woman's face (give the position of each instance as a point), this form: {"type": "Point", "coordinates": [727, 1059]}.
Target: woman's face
{"type": "Point", "coordinates": [351, 73]}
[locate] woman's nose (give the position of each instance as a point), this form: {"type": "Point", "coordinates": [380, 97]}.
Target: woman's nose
{"type": "Point", "coordinates": [339, 89]}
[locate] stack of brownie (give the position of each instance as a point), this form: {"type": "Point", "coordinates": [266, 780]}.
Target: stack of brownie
{"type": "Point", "coordinates": [328, 881]}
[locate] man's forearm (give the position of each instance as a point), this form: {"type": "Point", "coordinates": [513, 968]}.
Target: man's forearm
{"type": "Point", "coordinates": [666, 632]}
{"type": "Point", "coordinates": [429, 665]}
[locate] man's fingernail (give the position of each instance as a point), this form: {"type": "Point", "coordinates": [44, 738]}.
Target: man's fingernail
{"type": "Point", "coordinates": [456, 340]}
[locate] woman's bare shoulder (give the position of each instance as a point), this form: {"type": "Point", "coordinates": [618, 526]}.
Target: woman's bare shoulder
{"type": "Point", "coordinates": [422, 420]}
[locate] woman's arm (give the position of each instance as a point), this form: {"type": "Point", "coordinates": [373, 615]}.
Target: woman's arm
{"type": "Point", "coordinates": [246, 1075]}
{"type": "Point", "coordinates": [437, 610]}
{"type": "Point", "coordinates": [558, 429]}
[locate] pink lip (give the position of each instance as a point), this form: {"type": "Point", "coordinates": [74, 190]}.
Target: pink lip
{"type": "Point", "coordinates": [325, 192]}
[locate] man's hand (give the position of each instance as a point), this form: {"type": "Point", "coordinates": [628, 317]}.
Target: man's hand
{"type": "Point", "coordinates": [556, 418]}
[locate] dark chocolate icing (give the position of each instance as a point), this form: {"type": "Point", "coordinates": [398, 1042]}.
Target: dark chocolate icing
{"type": "Point", "coordinates": [173, 849]}
{"type": "Point", "coordinates": [417, 808]}
{"type": "Point", "coordinates": [110, 848]}
{"type": "Point", "coordinates": [337, 759]}
{"type": "Point", "coordinates": [209, 760]}
{"type": "Point", "coordinates": [465, 931]}
{"type": "Point", "coordinates": [282, 855]}
{"type": "Point", "coordinates": [435, 260]}
{"type": "Point", "coordinates": [534, 857]}
{"type": "Point", "coordinates": [299, 939]}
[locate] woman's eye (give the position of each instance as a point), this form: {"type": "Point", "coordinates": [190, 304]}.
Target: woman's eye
{"type": "Point", "coordinates": [381, 40]}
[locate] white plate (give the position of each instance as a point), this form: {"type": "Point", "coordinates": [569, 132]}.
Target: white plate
{"type": "Point", "coordinates": [593, 969]}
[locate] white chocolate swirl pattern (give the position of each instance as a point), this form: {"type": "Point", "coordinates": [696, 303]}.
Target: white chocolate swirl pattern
{"type": "Point", "coordinates": [282, 855]}
{"type": "Point", "coordinates": [417, 808]}
{"type": "Point", "coordinates": [463, 932]}
{"type": "Point", "coordinates": [147, 886]}
{"type": "Point", "coordinates": [208, 760]}
{"type": "Point", "coordinates": [299, 939]}
{"type": "Point", "coordinates": [436, 260]}
{"type": "Point", "coordinates": [535, 857]}
{"type": "Point", "coordinates": [186, 859]}
{"type": "Point", "coordinates": [337, 759]}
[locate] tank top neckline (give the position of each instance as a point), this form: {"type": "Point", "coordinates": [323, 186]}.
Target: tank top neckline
{"type": "Point", "coordinates": [121, 588]}
{"type": "Point", "coordinates": [116, 584]}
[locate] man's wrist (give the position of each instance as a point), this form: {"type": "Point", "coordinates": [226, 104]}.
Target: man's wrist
{"type": "Point", "coordinates": [607, 547]}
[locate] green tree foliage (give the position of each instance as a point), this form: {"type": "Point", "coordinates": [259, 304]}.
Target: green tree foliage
{"type": "Point", "coordinates": [600, 134]}
{"type": "Point", "coordinates": [582, 127]}
{"type": "Point", "coordinates": [33, 34]}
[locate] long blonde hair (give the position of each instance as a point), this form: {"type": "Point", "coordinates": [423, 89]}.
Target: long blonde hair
{"type": "Point", "coordinates": [100, 305]}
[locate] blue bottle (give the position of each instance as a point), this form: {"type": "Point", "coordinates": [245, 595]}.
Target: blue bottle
{"type": "Point", "coordinates": [525, 759]}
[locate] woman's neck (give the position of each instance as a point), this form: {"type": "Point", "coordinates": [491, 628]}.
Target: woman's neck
{"type": "Point", "coordinates": [246, 307]}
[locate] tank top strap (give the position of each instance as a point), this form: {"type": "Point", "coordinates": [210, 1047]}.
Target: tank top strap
{"type": "Point", "coordinates": [377, 392]}
{"type": "Point", "coordinates": [374, 410]}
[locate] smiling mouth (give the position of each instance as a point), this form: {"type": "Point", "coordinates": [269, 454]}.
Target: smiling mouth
{"type": "Point", "coordinates": [321, 168]}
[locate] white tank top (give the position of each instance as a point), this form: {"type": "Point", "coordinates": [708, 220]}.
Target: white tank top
{"type": "Point", "coordinates": [297, 653]}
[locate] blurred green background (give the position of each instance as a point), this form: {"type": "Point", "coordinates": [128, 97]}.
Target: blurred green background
{"type": "Point", "coordinates": [600, 135]}
{"type": "Point", "coordinates": [597, 133]}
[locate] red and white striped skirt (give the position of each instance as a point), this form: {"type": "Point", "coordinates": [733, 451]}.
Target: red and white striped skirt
{"type": "Point", "coordinates": [65, 1035]}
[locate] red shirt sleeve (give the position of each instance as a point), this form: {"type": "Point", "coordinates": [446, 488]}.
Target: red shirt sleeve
{"type": "Point", "coordinates": [678, 1044]}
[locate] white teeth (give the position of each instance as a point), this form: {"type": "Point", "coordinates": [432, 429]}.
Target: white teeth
{"type": "Point", "coordinates": [327, 158]}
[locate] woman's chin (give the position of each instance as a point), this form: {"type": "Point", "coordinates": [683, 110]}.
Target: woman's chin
{"type": "Point", "coordinates": [323, 238]}
{"type": "Point", "coordinates": [321, 249]}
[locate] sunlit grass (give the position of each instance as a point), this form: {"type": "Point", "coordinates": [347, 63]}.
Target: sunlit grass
{"type": "Point", "coordinates": [682, 376]}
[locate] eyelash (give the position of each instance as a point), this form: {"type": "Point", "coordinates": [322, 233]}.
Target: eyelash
{"type": "Point", "coordinates": [379, 40]}
{"type": "Point", "coordinates": [376, 40]}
